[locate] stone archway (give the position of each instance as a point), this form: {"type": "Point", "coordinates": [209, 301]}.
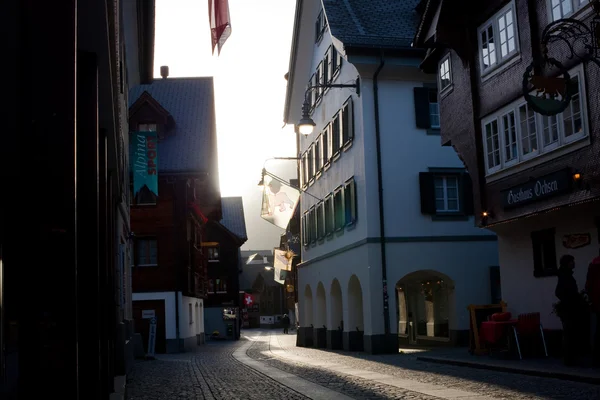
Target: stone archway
{"type": "Point", "coordinates": [321, 317]}
{"type": "Point", "coordinates": [353, 337]}
{"type": "Point", "coordinates": [335, 324]}
{"type": "Point", "coordinates": [306, 315]}
{"type": "Point", "coordinates": [425, 306]}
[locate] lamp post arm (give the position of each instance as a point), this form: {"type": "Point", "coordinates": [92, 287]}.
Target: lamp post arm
{"type": "Point", "coordinates": [355, 85]}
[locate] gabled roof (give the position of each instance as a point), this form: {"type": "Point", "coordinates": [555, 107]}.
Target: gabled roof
{"type": "Point", "coordinates": [192, 144]}
{"type": "Point", "coordinates": [373, 23]}
{"type": "Point", "coordinates": [146, 99]}
{"type": "Point", "coordinates": [233, 216]}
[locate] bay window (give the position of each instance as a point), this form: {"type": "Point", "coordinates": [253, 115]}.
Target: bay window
{"type": "Point", "coordinates": [517, 134]}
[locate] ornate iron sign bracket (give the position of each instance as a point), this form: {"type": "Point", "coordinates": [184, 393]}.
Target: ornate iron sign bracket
{"type": "Point", "coordinates": [548, 95]}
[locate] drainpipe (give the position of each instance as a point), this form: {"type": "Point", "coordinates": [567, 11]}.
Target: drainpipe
{"type": "Point", "coordinates": [178, 273]}
{"type": "Point", "coordinates": [386, 309]}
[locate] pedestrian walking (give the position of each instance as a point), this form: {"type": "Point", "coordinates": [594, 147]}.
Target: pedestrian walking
{"type": "Point", "coordinates": [286, 323]}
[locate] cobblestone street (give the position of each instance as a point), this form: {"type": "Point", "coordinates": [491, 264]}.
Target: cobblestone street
{"type": "Point", "coordinates": [218, 371]}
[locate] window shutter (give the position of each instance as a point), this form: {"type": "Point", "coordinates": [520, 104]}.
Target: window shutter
{"type": "Point", "coordinates": [467, 194]}
{"type": "Point", "coordinates": [422, 107]}
{"type": "Point", "coordinates": [427, 193]}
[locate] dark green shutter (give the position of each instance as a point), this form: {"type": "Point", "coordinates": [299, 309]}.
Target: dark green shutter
{"type": "Point", "coordinates": [422, 107]}
{"type": "Point", "coordinates": [427, 193]}
{"type": "Point", "coordinates": [467, 194]}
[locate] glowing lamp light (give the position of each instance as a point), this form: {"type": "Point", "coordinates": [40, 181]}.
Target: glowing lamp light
{"type": "Point", "coordinates": [576, 176]}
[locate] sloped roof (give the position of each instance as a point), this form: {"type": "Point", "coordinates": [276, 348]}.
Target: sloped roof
{"type": "Point", "coordinates": [251, 271]}
{"type": "Point", "coordinates": [192, 145]}
{"type": "Point", "coordinates": [373, 23]}
{"type": "Point", "coordinates": [233, 216]}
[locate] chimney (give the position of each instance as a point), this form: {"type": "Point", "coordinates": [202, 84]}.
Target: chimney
{"type": "Point", "coordinates": [164, 71]}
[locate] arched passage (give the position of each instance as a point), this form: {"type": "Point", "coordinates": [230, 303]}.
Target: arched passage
{"type": "Point", "coordinates": [355, 305]}
{"type": "Point", "coordinates": [425, 305]}
{"type": "Point", "coordinates": [321, 309]}
{"type": "Point", "coordinates": [336, 316]}
{"type": "Point", "coordinates": [306, 315]}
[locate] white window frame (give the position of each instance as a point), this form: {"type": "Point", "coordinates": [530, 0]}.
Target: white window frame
{"type": "Point", "coordinates": [444, 179]}
{"type": "Point", "coordinates": [447, 71]}
{"type": "Point", "coordinates": [562, 145]}
{"type": "Point", "coordinates": [493, 21]}
{"type": "Point", "coordinates": [577, 7]}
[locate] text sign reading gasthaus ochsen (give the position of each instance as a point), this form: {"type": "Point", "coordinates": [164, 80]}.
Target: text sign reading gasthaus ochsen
{"type": "Point", "coordinates": [538, 189]}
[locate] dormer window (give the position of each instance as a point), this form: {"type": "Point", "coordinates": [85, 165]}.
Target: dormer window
{"type": "Point", "coordinates": [146, 127]}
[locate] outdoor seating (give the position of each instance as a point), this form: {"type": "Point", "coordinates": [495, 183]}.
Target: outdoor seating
{"type": "Point", "coordinates": [528, 326]}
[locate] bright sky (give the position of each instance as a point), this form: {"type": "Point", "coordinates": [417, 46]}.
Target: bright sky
{"type": "Point", "coordinates": [249, 91]}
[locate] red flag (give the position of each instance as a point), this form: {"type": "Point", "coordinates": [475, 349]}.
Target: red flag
{"type": "Point", "coordinates": [248, 300]}
{"type": "Point", "coordinates": [220, 24]}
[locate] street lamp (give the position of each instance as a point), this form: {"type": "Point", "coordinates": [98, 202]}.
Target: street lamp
{"type": "Point", "coordinates": [306, 125]}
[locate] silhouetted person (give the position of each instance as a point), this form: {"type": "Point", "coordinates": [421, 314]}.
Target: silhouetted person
{"type": "Point", "coordinates": [286, 323]}
{"type": "Point", "coordinates": [592, 287]}
{"type": "Point", "coordinates": [572, 310]}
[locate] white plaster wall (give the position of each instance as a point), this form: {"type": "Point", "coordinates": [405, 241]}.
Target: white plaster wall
{"type": "Point", "coordinates": [191, 328]}
{"type": "Point", "coordinates": [342, 266]}
{"type": "Point", "coordinates": [406, 151]}
{"type": "Point", "coordinates": [520, 289]}
{"type": "Point", "coordinates": [169, 299]}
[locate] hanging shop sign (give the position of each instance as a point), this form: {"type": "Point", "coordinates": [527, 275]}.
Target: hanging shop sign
{"type": "Point", "coordinates": [576, 240]}
{"type": "Point", "coordinates": [547, 95]}
{"type": "Point", "coordinates": [538, 189]}
{"type": "Point", "coordinates": [144, 162]}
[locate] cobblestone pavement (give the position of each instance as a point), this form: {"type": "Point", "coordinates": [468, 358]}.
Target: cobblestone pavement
{"type": "Point", "coordinates": [499, 385]}
{"type": "Point", "coordinates": [210, 373]}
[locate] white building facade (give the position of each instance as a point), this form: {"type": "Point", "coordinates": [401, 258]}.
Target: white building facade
{"type": "Point", "coordinates": [357, 291]}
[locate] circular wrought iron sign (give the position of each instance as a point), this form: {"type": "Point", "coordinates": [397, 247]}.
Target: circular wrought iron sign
{"type": "Point", "coordinates": [547, 95]}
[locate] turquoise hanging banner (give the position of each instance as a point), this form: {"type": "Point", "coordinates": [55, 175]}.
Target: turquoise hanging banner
{"type": "Point", "coordinates": [144, 162]}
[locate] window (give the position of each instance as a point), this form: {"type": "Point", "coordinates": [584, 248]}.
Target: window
{"type": "Point", "coordinates": [334, 63]}
{"type": "Point", "coordinates": [544, 253]}
{"type": "Point", "coordinates": [498, 40]}
{"type": "Point", "coordinates": [335, 135]}
{"type": "Point", "coordinates": [146, 252]}
{"type": "Point", "coordinates": [434, 110]}
{"type": "Point", "coordinates": [338, 209]}
{"type": "Point", "coordinates": [312, 94]}
{"type": "Point", "coordinates": [211, 286]}
{"type": "Point", "coordinates": [565, 8]}
{"type": "Point", "coordinates": [349, 202]}
{"type": "Point", "coordinates": [313, 224]}
{"type": "Point", "coordinates": [446, 193]}
{"type": "Point", "coordinates": [517, 134]}
{"type": "Point", "coordinates": [212, 254]}
{"type": "Point", "coordinates": [146, 127]}
{"type": "Point", "coordinates": [445, 74]}
{"type": "Point", "coordinates": [319, 81]}
{"type": "Point", "coordinates": [305, 168]}
{"type": "Point", "coordinates": [221, 285]}
{"type": "Point", "coordinates": [325, 145]}
{"type": "Point", "coordinates": [347, 122]}
{"type": "Point", "coordinates": [329, 220]}
{"type": "Point", "coordinates": [326, 68]}
{"type": "Point", "coordinates": [320, 217]}
{"type": "Point", "coordinates": [320, 26]}
{"type": "Point", "coordinates": [317, 155]}
{"type": "Point", "coordinates": [427, 110]}
{"type": "Point", "coordinates": [305, 229]}
{"type": "Point", "coordinates": [492, 144]}
{"type": "Point", "coordinates": [311, 164]}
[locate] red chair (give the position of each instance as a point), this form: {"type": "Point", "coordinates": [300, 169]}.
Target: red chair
{"type": "Point", "coordinates": [529, 325]}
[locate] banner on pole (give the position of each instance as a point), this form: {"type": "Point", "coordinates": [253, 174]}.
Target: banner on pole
{"type": "Point", "coordinates": [144, 162]}
{"type": "Point", "coordinates": [279, 202]}
{"type": "Point", "coordinates": [281, 264]}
